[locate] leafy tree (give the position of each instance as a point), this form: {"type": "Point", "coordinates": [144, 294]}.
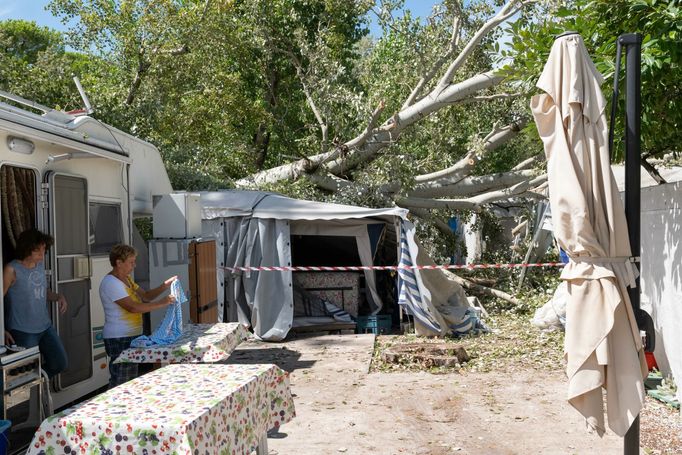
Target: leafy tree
{"type": "Point", "coordinates": [293, 95]}
{"type": "Point", "coordinates": [600, 22]}
{"type": "Point", "coordinates": [35, 64]}
{"type": "Point", "coordinates": [217, 85]}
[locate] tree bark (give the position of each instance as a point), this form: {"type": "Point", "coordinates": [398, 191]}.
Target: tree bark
{"type": "Point", "coordinates": [469, 186]}
{"type": "Point", "coordinates": [474, 203]}
{"type": "Point", "coordinates": [463, 167]}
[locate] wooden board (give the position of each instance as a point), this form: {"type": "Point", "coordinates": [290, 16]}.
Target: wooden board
{"type": "Point", "coordinates": [203, 303]}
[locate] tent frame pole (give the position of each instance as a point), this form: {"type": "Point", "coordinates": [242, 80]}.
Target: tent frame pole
{"type": "Point", "coordinates": [633, 115]}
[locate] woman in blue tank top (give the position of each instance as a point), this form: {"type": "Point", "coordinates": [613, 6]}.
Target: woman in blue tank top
{"type": "Point", "coordinates": [27, 320]}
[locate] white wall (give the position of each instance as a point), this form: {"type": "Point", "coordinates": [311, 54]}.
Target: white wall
{"type": "Point", "coordinates": [661, 272]}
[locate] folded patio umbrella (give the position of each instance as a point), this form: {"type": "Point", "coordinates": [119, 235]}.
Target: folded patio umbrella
{"type": "Point", "coordinates": [603, 347]}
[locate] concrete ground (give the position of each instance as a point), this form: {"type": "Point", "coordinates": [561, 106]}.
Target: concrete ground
{"type": "Point", "coordinates": [341, 408]}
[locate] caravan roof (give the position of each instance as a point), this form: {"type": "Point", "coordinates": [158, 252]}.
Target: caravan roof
{"type": "Point", "coordinates": [89, 138]}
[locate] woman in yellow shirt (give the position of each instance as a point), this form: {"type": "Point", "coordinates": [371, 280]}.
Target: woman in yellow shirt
{"type": "Point", "coordinates": [124, 303]}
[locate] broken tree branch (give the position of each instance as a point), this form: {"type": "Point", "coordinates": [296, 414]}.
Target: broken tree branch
{"type": "Point", "coordinates": [329, 182]}
{"type": "Point", "coordinates": [470, 186]}
{"type": "Point", "coordinates": [474, 203]}
{"type": "Point", "coordinates": [454, 41]}
{"type": "Point", "coordinates": [480, 289]}
{"type": "Point", "coordinates": [446, 94]}
{"type": "Point", "coordinates": [497, 96]}
{"type": "Point", "coordinates": [463, 167]}
{"type": "Point", "coordinates": [359, 140]}
{"type": "Point", "coordinates": [526, 164]}
{"type": "Point", "coordinates": [507, 11]}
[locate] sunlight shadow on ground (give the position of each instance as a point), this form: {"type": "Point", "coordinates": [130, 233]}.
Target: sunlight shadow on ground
{"type": "Point", "coordinates": [287, 359]}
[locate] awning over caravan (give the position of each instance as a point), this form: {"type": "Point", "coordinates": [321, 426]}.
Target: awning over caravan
{"type": "Point", "coordinates": [258, 204]}
{"type": "Point", "coordinates": [255, 229]}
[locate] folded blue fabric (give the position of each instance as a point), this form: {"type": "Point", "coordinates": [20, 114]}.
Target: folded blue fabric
{"type": "Point", "coordinates": [171, 326]}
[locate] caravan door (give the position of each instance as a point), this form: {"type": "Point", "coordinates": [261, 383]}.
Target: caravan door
{"type": "Point", "coordinates": [67, 221]}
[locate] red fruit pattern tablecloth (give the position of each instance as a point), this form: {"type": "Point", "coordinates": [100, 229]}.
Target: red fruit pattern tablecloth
{"type": "Point", "coordinates": [199, 343]}
{"type": "Point", "coordinates": [177, 409]}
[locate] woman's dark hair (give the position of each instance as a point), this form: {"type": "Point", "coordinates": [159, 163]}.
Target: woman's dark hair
{"type": "Point", "coordinates": [30, 240]}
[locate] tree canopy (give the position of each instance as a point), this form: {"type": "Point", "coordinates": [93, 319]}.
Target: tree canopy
{"type": "Point", "coordinates": [601, 22]}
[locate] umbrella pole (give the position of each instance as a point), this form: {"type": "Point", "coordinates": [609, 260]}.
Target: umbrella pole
{"type": "Point", "coordinates": [633, 113]}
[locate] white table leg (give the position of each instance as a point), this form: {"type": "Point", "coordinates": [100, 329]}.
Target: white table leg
{"type": "Point", "coordinates": [262, 448]}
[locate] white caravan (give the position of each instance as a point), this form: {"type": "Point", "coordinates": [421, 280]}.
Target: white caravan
{"type": "Point", "coordinates": [83, 182]}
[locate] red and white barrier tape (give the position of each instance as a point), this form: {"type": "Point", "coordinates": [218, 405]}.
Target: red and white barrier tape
{"type": "Point", "coordinates": [388, 267]}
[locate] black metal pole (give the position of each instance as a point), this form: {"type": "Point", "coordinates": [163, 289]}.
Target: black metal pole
{"type": "Point", "coordinates": [633, 114]}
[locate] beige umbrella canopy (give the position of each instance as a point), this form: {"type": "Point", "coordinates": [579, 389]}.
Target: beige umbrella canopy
{"type": "Point", "coordinates": [603, 348]}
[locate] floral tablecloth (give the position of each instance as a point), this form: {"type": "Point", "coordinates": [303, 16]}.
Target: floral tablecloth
{"type": "Point", "coordinates": [178, 409]}
{"type": "Point", "coordinates": [199, 343]}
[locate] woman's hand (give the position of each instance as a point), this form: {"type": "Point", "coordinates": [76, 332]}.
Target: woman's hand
{"type": "Point", "coordinates": [169, 281]}
{"type": "Point", "coordinates": [63, 305]}
{"type": "Point", "coordinates": [170, 299]}
{"type": "Point", "coordinates": [9, 339]}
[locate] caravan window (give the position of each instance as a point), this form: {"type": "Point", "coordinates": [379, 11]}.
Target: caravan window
{"type": "Point", "coordinates": [106, 227]}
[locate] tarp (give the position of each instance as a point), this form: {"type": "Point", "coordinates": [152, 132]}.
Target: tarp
{"type": "Point", "coordinates": [603, 347]}
{"type": "Point", "coordinates": [432, 296]}
{"type": "Point", "coordinates": [255, 228]}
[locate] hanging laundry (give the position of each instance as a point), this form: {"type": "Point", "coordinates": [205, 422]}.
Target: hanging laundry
{"type": "Point", "coordinates": [171, 326]}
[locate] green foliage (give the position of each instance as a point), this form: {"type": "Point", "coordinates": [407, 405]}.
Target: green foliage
{"type": "Point", "coordinates": [34, 64]}
{"type": "Point", "coordinates": [600, 22]}
{"type": "Point", "coordinates": [213, 84]}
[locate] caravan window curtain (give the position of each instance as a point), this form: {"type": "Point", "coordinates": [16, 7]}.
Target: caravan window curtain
{"type": "Point", "coordinates": [18, 186]}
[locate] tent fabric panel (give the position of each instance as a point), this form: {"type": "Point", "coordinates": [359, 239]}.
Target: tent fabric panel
{"type": "Point", "coordinates": [438, 303]}
{"type": "Point", "coordinates": [272, 308]}
{"type": "Point", "coordinates": [228, 204]}
{"type": "Point", "coordinates": [376, 232]}
{"type": "Point", "coordinates": [411, 291]}
{"type": "Point", "coordinates": [263, 300]}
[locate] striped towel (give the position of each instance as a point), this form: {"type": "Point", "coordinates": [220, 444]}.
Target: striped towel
{"type": "Point", "coordinates": [409, 294]}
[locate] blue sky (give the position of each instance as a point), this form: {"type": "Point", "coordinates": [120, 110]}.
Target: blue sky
{"type": "Point", "coordinates": [34, 10]}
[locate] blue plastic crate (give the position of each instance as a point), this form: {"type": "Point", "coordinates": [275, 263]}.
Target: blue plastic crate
{"type": "Point", "coordinates": [379, 323]}
{"type": "Point", "coordinates": [4, 436]}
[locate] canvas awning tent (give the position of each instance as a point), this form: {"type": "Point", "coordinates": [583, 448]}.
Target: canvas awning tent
{"type": "Point", "coordinates": [255, 229]}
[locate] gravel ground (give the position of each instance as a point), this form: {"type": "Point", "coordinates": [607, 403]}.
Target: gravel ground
{"type": "Point", "coordinates": [660, 429]}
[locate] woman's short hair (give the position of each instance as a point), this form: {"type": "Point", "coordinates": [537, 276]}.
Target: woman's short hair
{"type": "Point", "coordinates": [30, 240]}
{"type": "Point", "coordinates": [121, 252]}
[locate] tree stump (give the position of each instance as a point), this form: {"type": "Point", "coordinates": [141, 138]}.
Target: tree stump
{"type": "Point", "coordinates": [426, 354]}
